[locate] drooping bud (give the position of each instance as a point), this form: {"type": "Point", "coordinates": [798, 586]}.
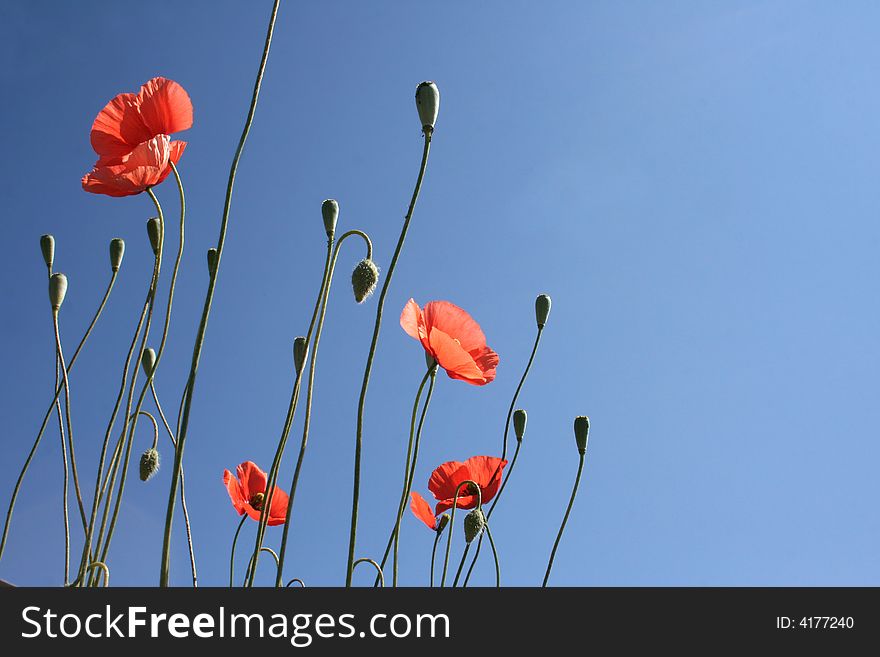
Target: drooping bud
{"type": "Point", "coordinates": [519, 423]}
{"type": "Point", "coordinates": [47, 246]}
{"type": "Point", "coordinates": [330, 213]}
{"type": "Point", "coordinates": [428, 104]}
{"type": "Point", "coordinates": [57, 290]}
{"type": "Point", "coordinates": [364, 279]}
{"type": "Point", "coordinates": [300, 353]}
{"type": "Point", "coordinates": [154, 230]}
{"type": "Point", "coordinates": [148, 360]}
{"type": "Point", "coordinates": [542, 309]}
{"type": "Point", "coordinates": [149, 464]}
{"type": "Point", "coordinates": [473, 524]}
{"type": "Point", "coordinates": [442, 521]}
{"type": "Point", "coordinates": [212, 261]}
{"type": "Point", "coordinates": [117, 250]}
{"type": "Point", "coordinates": [582, 432]}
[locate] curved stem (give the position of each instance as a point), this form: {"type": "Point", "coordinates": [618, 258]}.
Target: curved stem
{"type": "Point", "coordinates": [252, 564]}
{"type": "Point", "coordinates": [366, 382]}
{"type": "Point", "coordinates": [433, 556]}
{"type": "Point", "coordinates": [232, 553]}
{"type": "Point", "coordinates": [64, 500]}
{"type": "Point", "coordinates": [48, 414]}
{"type": "Point", "coordinates": [495, 555]}
{"type": "Point", "coordinates": [206, 311]}
{"type": "Point", "coordinates": [380, 575]}
{"type": "Point", "coordinates": [452, 521]}
{"type": "Point", "coordinates": [574, 491]}
{"type": "Point", "coordinates": [103, 567]}
{"type": "Point", "coordinates": [302, 584]}
{"type": "Point", "coordinates": [323, 296]}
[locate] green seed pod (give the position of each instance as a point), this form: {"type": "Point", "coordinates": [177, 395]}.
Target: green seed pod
{"type": "Point", "coordinates": [117, 250]}
{"type": "Point", "coordinates": [364, 279]}
{"type": "Point", "coordinates": [428, 104]}
{"type": "Point", "coordinates": [57, 290]}
{"type": "Point", "coordinates": [473, 524]}
{"type": "Point", "coordinates": [442, 522]}
{"type": "Point", "coordinates": [149, 464]}
{"type": "Point", "coordinates": [300, 353]}
{"type": "Point", "coordinates": [582, 432]}
{"type": "Point", "coordinates": [542, 309]}
{"type": "Point", "coordinates": [519, 423]}
{"type": "Point", "coordinates": [154, 231]}
{"type": "Point", "coordinates": [47, 246]}
{"type": "Point", "coordinates": [330, 213]}
{"type": "Point", "coordinates": [212, 261]}
{"type": "Point", "coordinates": [148, 360]}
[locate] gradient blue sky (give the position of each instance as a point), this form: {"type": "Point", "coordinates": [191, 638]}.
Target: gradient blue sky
{"type": "Point", "coordinates": [694, 183]}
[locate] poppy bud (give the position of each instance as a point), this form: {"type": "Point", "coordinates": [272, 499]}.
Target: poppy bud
{"type": "Point", "coordinates": [519, 423]}
{"type": "Point", "coordinates": [542, 309]}
{"type": "Point", "coordinates": [148, 360]}
{"type": "Point", "coordinates": [330, 212]}
{"type": "Point", "coordinates": [300, 353]}
{"type": "Point", "coordinates": [364, 279]}
{"type": "Point", "coordinates": [117, 250]}
{"type": "Point", "coordinates": [428, 104]}
{"type": "Point", "coordinates": [212, 261]}
{"type": "Point", "coordinates": [149, 463]}
{"type": "Point", "coordinates": [154, 230]}
{"type": "Point", "coordinates": [473, 524]}
{"type": "Point", "coordinates": [582, 432]}
{"type": "Point", "coordinates": [442, 522]}
{"type": "Point", "coordinates": [57, 290]}
{"type": "Point", "coordinates": [47, 246]}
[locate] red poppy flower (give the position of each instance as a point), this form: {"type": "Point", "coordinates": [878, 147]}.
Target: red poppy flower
{"type": "Point", "coordinates": [131, 137]}
{"type": "Point", "coordinates": [485, 471]}
{"type": "Point", "coordinates": [248, 493]}
{"type": "Point", "coordinates": [422, 510]}
{"type": "Point", "coordinates": [453, 339]}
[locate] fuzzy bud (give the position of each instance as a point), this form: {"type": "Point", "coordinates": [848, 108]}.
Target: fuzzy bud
{"type": "Point", "coordinates": [148, 360]}
{"type": "Point", "coordinates": [149, 464]}
{"type": "Point", "coordinates": [542, 309]}
{"type": "Point", "coordinates": [154, 230]}
{"type": "Point", "coordinates": [519, 423]}
{"type": "Point", "coordinates": [364, 279]}
{"type": "Point", "coordinates": [47, 246]}
{"type": "Point", "coordinates": [117, 250]}
{"type": "Point", "coordinates": [300, 353]}
{"type": "Point", "coordinates": [442, 521]}
{"type": "Point", "coordinates": [57, 290]}
{"type": "Point", "coordinates": [330, 213]}
{"type": "Point", "coordinates": [473, 524]}
{"type": "Point", "coordinates": [428, 104]}
{"type": "Point", "coordinates": [582, 432]}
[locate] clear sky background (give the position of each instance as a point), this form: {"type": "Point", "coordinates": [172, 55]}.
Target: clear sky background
{"type": "Point", "coordinates": [694, 183]}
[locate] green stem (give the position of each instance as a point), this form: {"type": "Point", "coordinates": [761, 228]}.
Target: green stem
{"type": "Point", "coordinates": [452, 522]}
{"type": "Point", "coordinates": [232, 554]}
{"type": "Point", "coordinates": [433, 556]}
{"type": "Point", "coordinates": [380, 575]}
{"type": "Point", "coordinates": [366, 382]}
{"type": "Point", "coordinates": [574, 491]}
{"type": "Point", "coordinates": [252, 564]}
{"type": "Point", "coordinates": [323, 296]}
{"type": "Point", "coordinates": [206, 311]}
{"type": "Point", "coordinates": [64, 501]}
{"type": "Point", "coordinates": [48, 414]}
{"type": "Point", "coordinates": [495, 555]}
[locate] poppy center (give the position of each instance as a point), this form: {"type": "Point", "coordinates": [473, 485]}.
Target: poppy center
{"type": "Point", "coordinates": [257, 500]}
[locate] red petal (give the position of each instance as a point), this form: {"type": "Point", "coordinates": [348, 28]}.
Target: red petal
{"type": "Point", "coordinates": [278, 512]}
{"type": "Point", "coordinates": [131, 173]}
{"type": "Point", "coordinates": [422, 510]}
{"type": "Point", "coordinates": [234, 490]}
{"type": "Point", "coordinates": [253, 480]}
{"type": "Point", "coordinates": [486, 471]}
{"type": "Point", "coordinates": [464, 502]}
{"type": "Point", "coordinates": [177, 148]}
{"type": "Point", "coordinates": [455, 323]}
{"type": "Point", "coordinates": [457, 362]}
{"type": "Point", "coordinates": [118, 128]}
{"type": "Point", "coordinates": [440, 484]}
{"type": "Point", "coordinates": [165, 107]}
{"type": "Point", "coordinates": [412, 321]}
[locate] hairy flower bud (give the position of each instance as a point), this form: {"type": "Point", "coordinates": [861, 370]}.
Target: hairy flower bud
{"type": "Point", "coordinates": [148, 360]}
{"type": "Point", "coordinates": [519, 423]}
{"type": "Point", "coordinates": [149, 464]}
{"type": "Point", "coordinates": [442, 521]}
{"type": "Point", "coordinates": [364, 279]}
{"type": "Point", "coordinates": [117, 250]}
{"type": "Point", "coordinates": [474, 522]}
{"type": "Point", "coordinates": [154, 230]}
{"type": "Point", "coordinates": [330, 213]}
{"type": "Point", "coordinates": [57, 290]}
{"type": "Point", "coordinates": [428, 104]}
{"type": "Point", "coordinates": [582, 432]}
{"type": "Point", "coordinates": [300, 352]}
{"type": "Point", "coordinates": [47, 246]}
{"type": "Point", "coordinates": [212, 261]}
{"type": "Point", "coordinates": [542, 309]}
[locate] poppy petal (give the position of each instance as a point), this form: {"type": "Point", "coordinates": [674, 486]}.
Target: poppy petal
{"type": "Point", "coordinates": [422, 510]}
{"type": "Point", "coordinates": [486, 360]}
{"type": "Point", "coordinates": [118, 128]}
{"type": "Point", "coordinates": [234, 490]}
{"type": "Point", "coordinates": [278, 512]}
{"type": "Point", "coordinates": [454, 322]}
{"type": "Point", "coordinates": [464, 502]}
{"type": "Point", "coordinates": [132, 173]}
{"type": "Point", "coordinates": [486, 471]}
{"type": "Point", "coordinates": [440, 484]}
{"type": "Point", "coordinates": [177, 148]}
{"type": "Point", "coordinates": [457, 362]}
{"type": "Point", "coordinates": [165, 107]}
{"type": "Point", "coordinates": [253, 480]}
{"type": "Point", "coordinates": [412, 321]}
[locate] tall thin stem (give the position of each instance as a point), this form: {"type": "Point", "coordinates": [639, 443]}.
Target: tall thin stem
{"type": "Point", "coordinates": [378, 568]}
{"type": "Point", "coordinates": [433, 556]}
{"type": "Point", "coordinates": [366, 382]}
{"type": "Point", "coordinates": [232, 552]}
{"type": "Point", "coordinates": [64, 500]}
{"type": "Point", "coordinates": [206, 311]}
{"type": "Point", "coordinates": [452, 521]}
{"type": "Point", "coordinates": [574, 491]}
{"type": "Point", "coordinates": [495, 555]}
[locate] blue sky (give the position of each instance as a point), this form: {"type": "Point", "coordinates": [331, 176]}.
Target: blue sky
{"type": "Point", "coordinates": [694, 184]}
